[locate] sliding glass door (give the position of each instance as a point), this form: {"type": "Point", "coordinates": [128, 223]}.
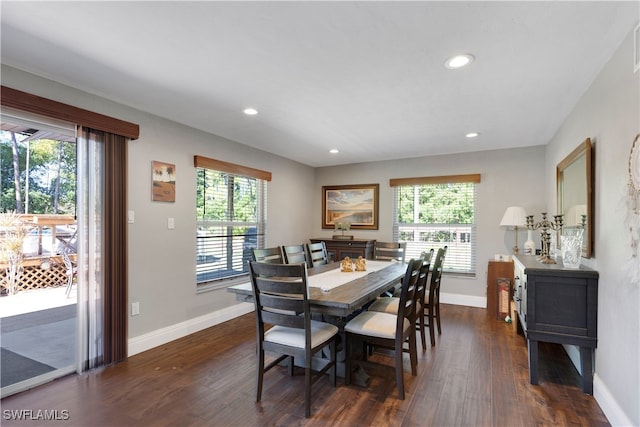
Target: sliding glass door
{"type": "Point", "coordinates": [51, 281]}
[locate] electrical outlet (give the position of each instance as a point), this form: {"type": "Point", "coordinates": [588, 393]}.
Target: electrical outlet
{"type": "Point", "coordinates": [135, 308]}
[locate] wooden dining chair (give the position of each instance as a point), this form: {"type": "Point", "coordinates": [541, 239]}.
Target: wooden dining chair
{"type": "Point", "coordinates": [431, 303]}
{"type": "Point", "coordinates": [391, 304]}
{"type": "Point", "coordinates": [268, 255]}
{"type": "Point", "coordinates": [387, 330]}
{"type": "Point", "coordinates": [281, 298]}
{"type": "Point", "coordinates": [390, 251]}
{"type": "Point", "coordinates": [317, 254]}
{"type": "Point", "coordinates": [294, 254]}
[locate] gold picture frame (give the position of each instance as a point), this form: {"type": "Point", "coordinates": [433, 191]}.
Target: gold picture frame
{"type": "Point", "coordinates": [355, 204]}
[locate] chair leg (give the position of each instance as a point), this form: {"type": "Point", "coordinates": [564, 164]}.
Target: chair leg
{"type": "Point", "coordinates": [432, 332]}
{"type": "Point", "coordinates": [334, 369]}
{"type": "Point", "coordinates": [290, 365]}
{"type": "Point", "coordinates": [399, 370]}
{"type": "Point", "coordinates": [413, 353]}
{"type": "Point", "coordinates": [438, 317]}
{"type": "Point", "coordinates": [347, 358]}
{"type": "Point", "coordinates": [260, 375]}
{"type": "Point", "coordinates": [421, 325]}
{"type": "Point", "coordinates": [307, 388]}
{"type": "Point", "coordinates": [69, 284]}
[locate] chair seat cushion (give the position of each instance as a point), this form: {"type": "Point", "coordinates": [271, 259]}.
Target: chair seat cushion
{"type": "Point", "coordinates": [386, 305]}
{"type": "Point", "coordinates": [320, 332]}
{"type": "Point", "coordinates": [375, 324]}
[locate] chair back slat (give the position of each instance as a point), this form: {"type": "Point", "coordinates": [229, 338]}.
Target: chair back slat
{"type": "Point", "coordinates": [282, 319]}
{"type": "Point", "coordinates": [294, 254]}
{"type": "Point", "coordinates": [278, 302]}
{"type": "Point", "coordinates": [280, 284]}
{"type": "Point", "coordinates": [269, 255]}
{"type": "Point", "coordinates": [390, 251]}
{"type": "Point", "coordinates": [317, 254]}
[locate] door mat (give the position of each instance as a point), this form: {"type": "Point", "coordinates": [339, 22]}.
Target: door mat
{"type": "Point", "coordinates": [16, 368]}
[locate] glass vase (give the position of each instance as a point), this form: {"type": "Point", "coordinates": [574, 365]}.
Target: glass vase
{"type": "Point", "coordinates": [571, 248]}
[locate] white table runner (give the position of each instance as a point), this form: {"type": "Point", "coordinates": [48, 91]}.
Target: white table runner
{"type": "Point", "coordinates": [334, 278]}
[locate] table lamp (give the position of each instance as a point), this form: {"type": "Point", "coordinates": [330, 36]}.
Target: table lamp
{"type": "Point", "coordinates": [515, 217]}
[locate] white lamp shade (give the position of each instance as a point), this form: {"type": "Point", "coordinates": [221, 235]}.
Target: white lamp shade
{"type": "Point", "coordinates": [514, 216]}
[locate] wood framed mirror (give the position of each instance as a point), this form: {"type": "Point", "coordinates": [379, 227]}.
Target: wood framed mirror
{"type": "Point", "coordinates": [574, 179]}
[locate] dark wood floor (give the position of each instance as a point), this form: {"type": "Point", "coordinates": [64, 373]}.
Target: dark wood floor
{"type": "Point", "coordinates": [476, 375]}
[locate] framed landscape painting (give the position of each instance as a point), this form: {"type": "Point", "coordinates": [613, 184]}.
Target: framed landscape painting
{"type": "Point", "coordinates": [355, 204]}
{"type": "Point", "coordinates": [164, 182]}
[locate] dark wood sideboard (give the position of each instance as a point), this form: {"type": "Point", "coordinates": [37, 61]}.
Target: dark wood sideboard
{"type": "Point", "coordinates": [558, 305]}
{"type": "Point", "coordinates": [348, 248]}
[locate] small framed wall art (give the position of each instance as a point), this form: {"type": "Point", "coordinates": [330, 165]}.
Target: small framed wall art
{"type": "Point", "coordinates": [163, 177]}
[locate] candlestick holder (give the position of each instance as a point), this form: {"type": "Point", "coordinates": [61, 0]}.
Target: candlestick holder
{"type": "Point", "coordinates": [544, 226]}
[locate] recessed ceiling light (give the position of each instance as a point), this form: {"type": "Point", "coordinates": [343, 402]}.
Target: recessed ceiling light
{"type": "Point", "coordinates": [458, 61]}
{"type": "Point", "coordinates": [250, 111]}
{"type": "Point", "coordinates": [334, 151]}
{"type": "Point", "coordinates": [472, 134]}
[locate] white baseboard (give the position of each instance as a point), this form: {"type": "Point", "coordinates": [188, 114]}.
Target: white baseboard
{"type": "Point", "coordinates": [467, 300]}
{"type": "Point", "coordinates": [614, 413]}
{"type": "Point", "coordinates": [162, 336]}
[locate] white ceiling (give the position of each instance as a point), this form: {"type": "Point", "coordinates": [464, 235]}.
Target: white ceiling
{"type": "Point", "coordinates": [364, 77]}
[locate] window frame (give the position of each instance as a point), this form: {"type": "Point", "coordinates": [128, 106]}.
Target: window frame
{"type": "Point", "coordinates": [244, 172]}
{"type": "Point", "coordinates": [416, 227]}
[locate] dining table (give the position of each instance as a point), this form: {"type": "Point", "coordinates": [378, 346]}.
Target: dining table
{"type": "Point", "coordinates": [336, 295]}
{"type": "Point", "coordinates": [333, 292]}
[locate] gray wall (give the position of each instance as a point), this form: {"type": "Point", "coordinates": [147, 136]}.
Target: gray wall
{"type": "Point", "coordinates": [162, 261]}
{"type": "Point", "coordinates": [508, 177]}
{"type": "Point", "coordinates": [609, 113]}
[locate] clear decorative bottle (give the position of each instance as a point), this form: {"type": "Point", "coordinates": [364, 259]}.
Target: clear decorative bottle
{"type": "Point", "coordinates": [529, 245]}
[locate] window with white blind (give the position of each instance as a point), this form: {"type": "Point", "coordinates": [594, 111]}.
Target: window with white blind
{"type": "Point", "coordinates": [432, 212]}
{"type": "Point", "coordinates": [231, 205]}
